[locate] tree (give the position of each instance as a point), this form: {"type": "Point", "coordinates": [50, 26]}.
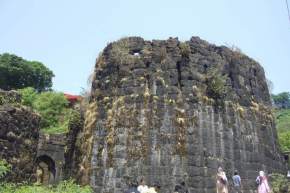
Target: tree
{"type": "Point", "coordinates": [17, 73]}
{"type": "Point", "coordinates": [51, 106]}
{"type": "Point", "coordinates": [282, 100]}
{"type": "Point", "coordinates": [284, 140]}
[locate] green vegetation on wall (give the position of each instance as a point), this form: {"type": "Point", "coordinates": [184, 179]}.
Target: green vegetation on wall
{"type": "Point", "coordinates": [16, 73]}
{"type": "Point", "coordinates": [52, 107]}
{"type": "Point", "coordinates": [4, 168]}
{"type": "Point", "coordinates": [216, 84]}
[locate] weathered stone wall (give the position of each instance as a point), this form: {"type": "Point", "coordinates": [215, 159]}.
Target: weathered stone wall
{"type": "Point", "coordinates": [9, 97]}
{"type": "Point", "coordinates": [171, 111]}
{"type": "Point", "coordinates": [72, 158]}
{"type": "Point", "coordinates": [19, 129]}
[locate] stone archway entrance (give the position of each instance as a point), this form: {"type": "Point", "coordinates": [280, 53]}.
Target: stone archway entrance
{"type": "Point", "coordinates": [46, 170]}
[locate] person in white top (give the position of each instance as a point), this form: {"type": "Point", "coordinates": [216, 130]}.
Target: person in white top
{"type": "Point", "coordinates": [142, 188]}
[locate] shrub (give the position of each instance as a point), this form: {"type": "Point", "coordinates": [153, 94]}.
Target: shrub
{"type": "Point", "coordinates": [216, 88]}
{"type": "Point", "coordinates": [279, 183]}
{"type": "Point", "coordinates": [4, 168]}
{"type": "Point", "coordinates": [71, 187]}
{"type": "Point", "coordinates": [51, 106]}
{"type": "Point", "coordinates": [185, 49]}
{"type": "Point", "coordinates": [284, 140]}
{"type": "Point", "coordinates": [66, 120]}
{"type": "Point", "coordinates": [62, 187]}
{"type": "Point", "coordinates": [28, 96]}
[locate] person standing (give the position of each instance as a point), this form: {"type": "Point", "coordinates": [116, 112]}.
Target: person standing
{"type": "Point", "coordinates": [262, 181]}
{"type": "Point", "coordinates": [184, 188]}
{"type": "Point", "coordinates": [133, 188]}
{"type": "Point", "coordinates": [237, 182]}
{"type": "Point", "coordinates": [177, 189]}
{"type": "Point", "coordinates": [221, 181]}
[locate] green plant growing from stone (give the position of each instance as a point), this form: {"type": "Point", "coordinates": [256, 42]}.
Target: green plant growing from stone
{"type": "Point", "coordinates": [4, 168]}
{"type": "Point", "coordinates": [120, 52]}
{"type": "Point", "coordinates": [185, 49]}
{"type": "Point", "coordinates": [51, 106]}
{"type": "Point", "coordinates": [216, 88]}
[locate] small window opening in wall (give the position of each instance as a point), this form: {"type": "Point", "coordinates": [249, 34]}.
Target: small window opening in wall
{"type": "Point", "coordinates": [205, 67]}
{"type": "Point", "coordinates": [147, 64]}
{"type": "Point", "coordinates": [136, 54]}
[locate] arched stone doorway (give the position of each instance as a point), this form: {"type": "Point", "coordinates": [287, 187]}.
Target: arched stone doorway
{"type": "Point", "coordinates": [46, 170]}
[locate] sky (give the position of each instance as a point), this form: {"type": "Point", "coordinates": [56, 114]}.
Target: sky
{"type": "Point", "coordinates": [68, 35]}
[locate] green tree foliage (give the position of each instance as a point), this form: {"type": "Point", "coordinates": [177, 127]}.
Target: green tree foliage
{"type": "Point", "coordinates": [283, 128]}
{"type": "Point", "coordinates": [282, 100]}
{"type": "Point", "coordinates": [63, 187]}
{"type": "Point", "coordinates": [282, 120]}
{"type": "Point", "coordinates": [284, 140]}
{"type": "Point", "coordinates": [279, 183]}
{"type": "Point", "coordinates": [28, 96]}
{"type": "Point", "coordinates": [51, 106]}
{"type": "Point", "coordinates": [16, 73]}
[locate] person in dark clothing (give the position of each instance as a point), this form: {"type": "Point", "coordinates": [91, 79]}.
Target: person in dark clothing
{"type": "Point", "coordinates": [184, 188]}
{"type": "Point", "coordinates": [177, 189]}
{"type": "Point", "coordinates": [133, 188]}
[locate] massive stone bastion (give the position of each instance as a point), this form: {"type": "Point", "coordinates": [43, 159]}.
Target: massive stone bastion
{"type": "Point", "coordinates": [170, 111]}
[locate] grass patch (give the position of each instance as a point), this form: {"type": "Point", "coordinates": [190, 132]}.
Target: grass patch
{"type": "Point", "coordinates": [63, 187]}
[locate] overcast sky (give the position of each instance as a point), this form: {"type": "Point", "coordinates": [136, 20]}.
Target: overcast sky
{"type": "Point", "coordinates": [67, 35]}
